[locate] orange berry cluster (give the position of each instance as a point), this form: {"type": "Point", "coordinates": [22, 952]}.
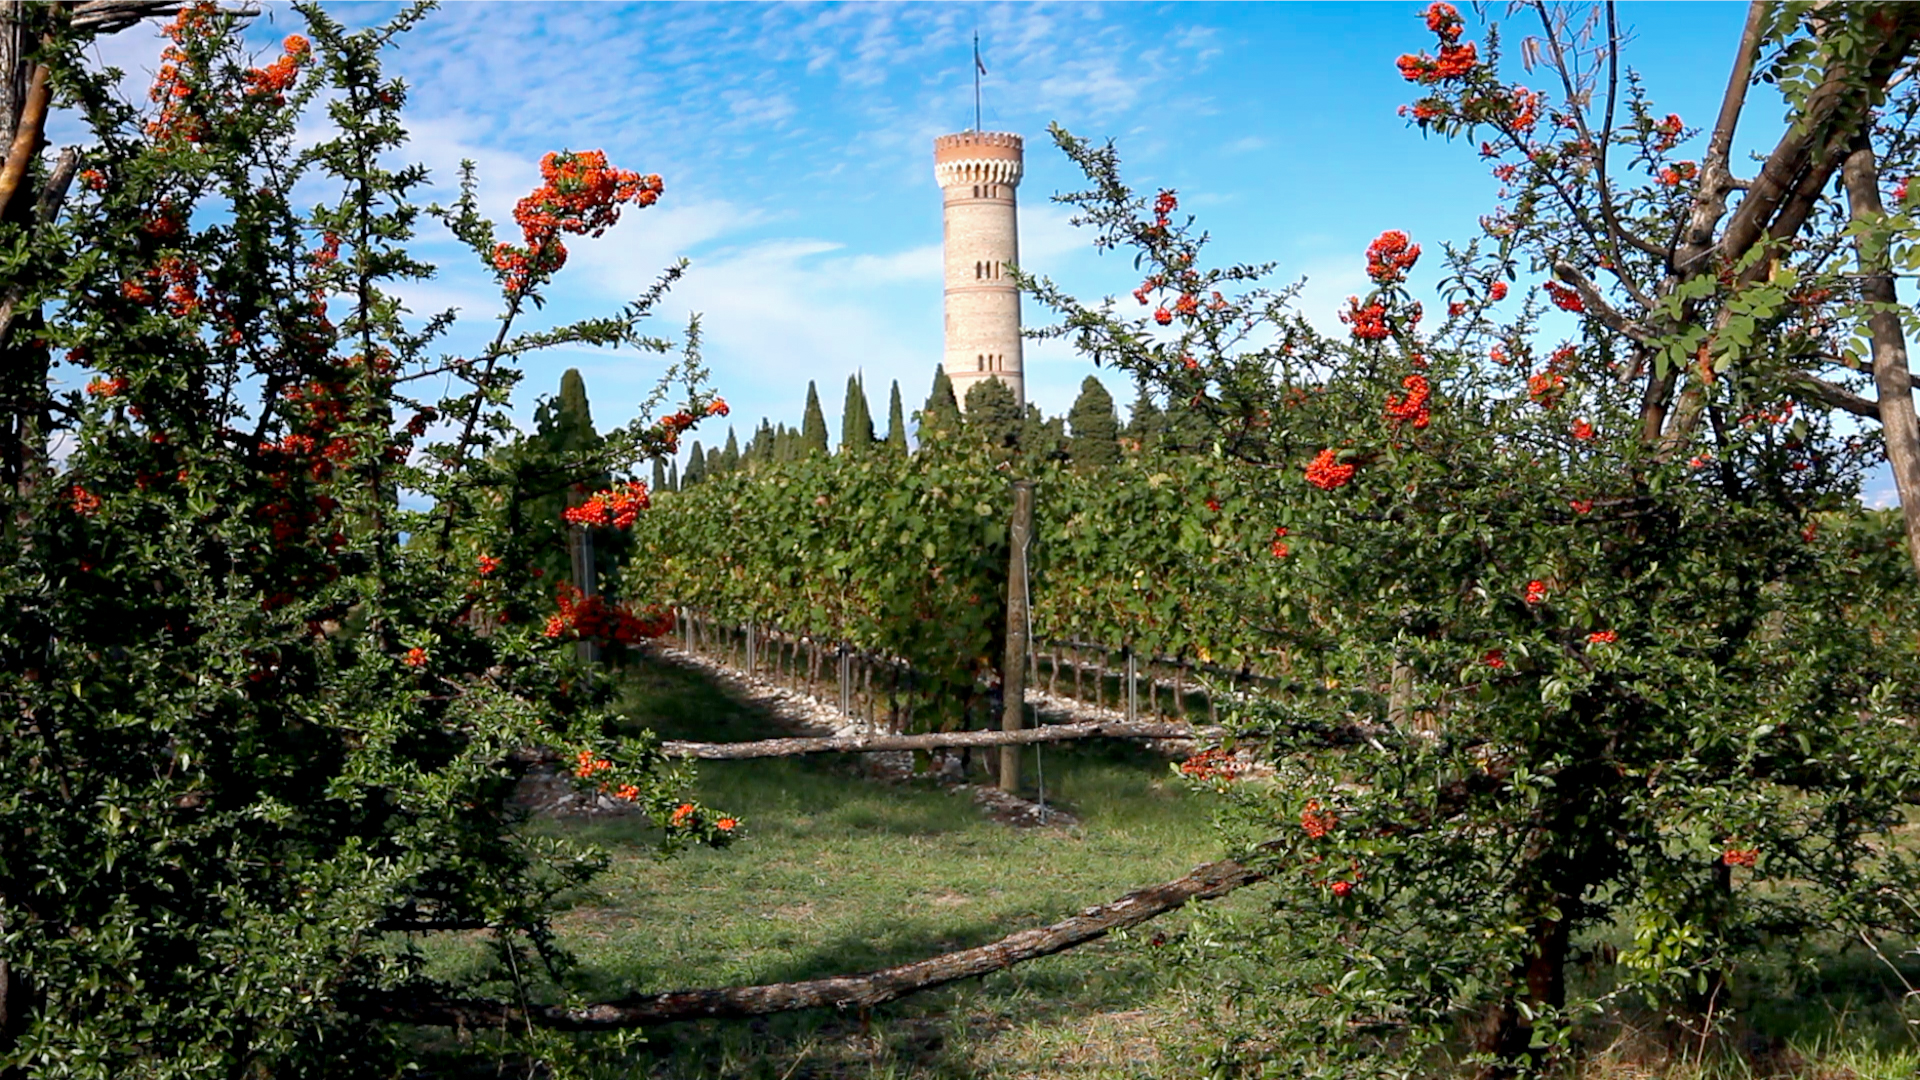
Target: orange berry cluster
{"type": "Point", "coordinates": [1317, 822]}
{"type": "Point", "coordinates": [1390, 256]}
{"type": "Point", "coordinates": [274, 80]}
{"type": "Point", "coordinates": [1327, 473]}
{"type": "Point", "coordinates": [619, 507]}
{"type": "Point", "coordinates": [1369, 322]}
{"type": "Point", "coordinates": [1217, 763]}
{"type": "Point", "coordinates": [580, 194]}
{"type": "Point", "coordinates": [592, 617]}
{"type": "Point", "coordinates": [1411, 407]}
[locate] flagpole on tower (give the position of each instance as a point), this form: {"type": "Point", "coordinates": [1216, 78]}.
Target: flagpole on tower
{"type": "Point", "coordinates": [979, 69]}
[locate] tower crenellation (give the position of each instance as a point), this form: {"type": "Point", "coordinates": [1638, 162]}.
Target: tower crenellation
{"type": "Point", "coordinates": [979, 172]}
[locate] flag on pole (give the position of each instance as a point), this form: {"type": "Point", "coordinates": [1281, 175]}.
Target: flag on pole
{"type": "Point", "coordinates": [978, 66]}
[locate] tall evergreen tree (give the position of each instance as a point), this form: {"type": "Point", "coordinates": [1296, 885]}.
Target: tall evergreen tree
{"type": "Point", "coordinates": [563, 432]}
{"type": "Point", "coordinates": [1096, 429]}
{"type": "Point", "coordinates": [673, 474]}
{"type": "Point", "coordinates": [763, 441]}
{"type": "Point", "coordinates": [1146, 423]}
{"type": "Point", "coordinates": [994, 414]}
{"type": "Point", "coordinates": [856, 421]}
{"type": "Point", "coordinates": [1184, 429]}
{"type": "Point", "coordinates": [730, 457]}
{"type": "Point", "coordinates": [783, 443]}
{"type": "Point", "coordinates": [813, 427]}
{"type": "Point", "coordinates": [896, 421]}
{"type": "Point", "coordinates": [696, 465]}
{"type": "Point", "coordinates": [942, 411]}
{"type": "Point", "coordinates": [660, 475]}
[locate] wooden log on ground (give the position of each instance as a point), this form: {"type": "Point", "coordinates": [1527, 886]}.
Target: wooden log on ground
{"type": "Point", "coordinates": [424, 1006]}
{"type": "Point", "coordinates": [940, 740]}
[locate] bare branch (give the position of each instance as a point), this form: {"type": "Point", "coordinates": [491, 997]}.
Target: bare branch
{"type": "Point", "coordinates": [26, 135]}
{"type": "Point", "coordinates": [1597, 305]}
{"type": "Point", "coordinates": [1711, 201]}
{"type": "Point", "coordinates": [1834, 396]}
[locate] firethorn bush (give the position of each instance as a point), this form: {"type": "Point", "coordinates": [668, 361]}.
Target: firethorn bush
{"type": "Point", "coordinates": [1634, 671]}
{"type": "Point", "coordinates": [271, 652]}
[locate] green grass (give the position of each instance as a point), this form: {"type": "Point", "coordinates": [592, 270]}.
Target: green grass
{"type": "Point", "coordinates": [839, 873]}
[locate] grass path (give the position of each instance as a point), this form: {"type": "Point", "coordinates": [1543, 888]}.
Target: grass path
{"type": "Point", "coordinates": [841, 874]}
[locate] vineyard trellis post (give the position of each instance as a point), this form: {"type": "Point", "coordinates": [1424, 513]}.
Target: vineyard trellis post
{"type": "Point", "coordinates": [1013, 679]}
{"type": "Point", "coordinates": [1133, 696]}
{"type": "Point", "coordinates": [580, 548]}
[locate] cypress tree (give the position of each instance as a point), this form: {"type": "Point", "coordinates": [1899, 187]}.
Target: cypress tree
{"type": "Point", "coordinates": [1146, 423]}
{"type": "Point", "coordinates": [783, 440]}
{"type": "Point", "coordinates": [730, 457]}
{"type": "Point", "coordinates": [942, 411]}
{"type": "Point", "coordinates": [696, 465]}
{"type": "Point", "coordinates": [856, 422]}
{"type": "Point", "coordinates": [1095, 441]}
{"type": "Point", "coordinates": [563, 430]}
{"type": "Point", "coordinates": [1185, 428]}
{"type": "Point", "coordinates": [813, 428]}
{"type": "Point", "coordinates": [673, 475]}
{"type": "Point", "coordinates": [659, 475]}
{"type": "Point", "coordinates": [896, 422]}
{"type": "Point", "coordinates": [994, 414]}
{"type": "Point", "coordinates": [760, 447]}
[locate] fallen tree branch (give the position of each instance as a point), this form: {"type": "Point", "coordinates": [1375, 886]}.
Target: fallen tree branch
{"type": "Point", "coordinates": [425, 1006]}
{"type": "Point", "coordinates": [939, 740]}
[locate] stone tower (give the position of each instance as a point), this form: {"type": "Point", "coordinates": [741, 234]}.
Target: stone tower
{"type": "Point", "coordinates": [978, 172]}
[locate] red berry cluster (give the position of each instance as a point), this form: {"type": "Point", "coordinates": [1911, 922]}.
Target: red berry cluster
{"type": "Point", "coordinates": [1369, 322]}
{"type": "Point", "coordinates": [1390, 256]}
{"type": "Point", "coordinates": [1456, 61]}
{"type": "Point", "coordinates": [1548, 386]}
{"type": "Point", "coordinates": [593, 618]}
{"type": "Point", "coordinates": [1316, 821]}
{"type": "Point", "coordinates": [619, 507]}
{"type": "Point", "coordinates": [582, 195]}
{"type": "Point", "coordinates": [1678, 173]}
{"type": "Point", "coordinates": [1280, 548]}
{"type": "Point", "coordinates": [1217, 763]}
{"type": "Point", "coordinates": [1536, 592]}
{"type": "Point", "coordinates": [1746, 857]}
{"type": "Point", "coordinates": [1327, 473]}
{"type": "Point", "coordinates": [273, 81]}
{"type": "Point", "coordinates": [1565, 297]}
{"type": "Point", "coordinates": [1666, 133]}
{"type": "Point", "coordinates": [1411, 407]}
{"type": "Point", "coordinates": [1602, 637]}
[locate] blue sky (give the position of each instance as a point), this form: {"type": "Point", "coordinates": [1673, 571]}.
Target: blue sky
{"type": "Point", "coordinates": [796, 145]}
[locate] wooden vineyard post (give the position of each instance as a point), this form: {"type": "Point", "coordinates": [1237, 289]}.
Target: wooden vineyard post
{"type": "Point", "coordinates": [1013, 676]}
{"type": "Point", "coordinates": [1133, 695]}
{"type": "Point", "coordinates": [580, 548]}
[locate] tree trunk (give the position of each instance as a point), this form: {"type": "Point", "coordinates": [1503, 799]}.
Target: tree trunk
{"type": "Point", "coordinates": [1892, 379]}
{"type": "Point", "coordinates": [1013, 669]}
